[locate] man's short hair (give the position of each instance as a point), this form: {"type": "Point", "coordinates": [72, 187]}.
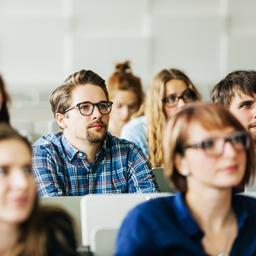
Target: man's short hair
{"type": "Point", "coordinates": [60, 99]}
{"type": "Point", "coordinates": [234, 83]}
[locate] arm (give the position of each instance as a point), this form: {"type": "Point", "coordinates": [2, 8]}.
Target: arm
{"type": "Point", "coordinates": [44, 168]}
{"type": "Point", "coordinates": [140, 177]}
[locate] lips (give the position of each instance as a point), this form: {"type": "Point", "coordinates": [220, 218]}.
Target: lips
{"type": "Point", "coordinates": [229, 168]}
{"type": "Point", "coordinates": [252, 125]}
{"type": "Point", "coordinates": [21, 200]}
{"type": "Point", "coordinates": [97, 125]}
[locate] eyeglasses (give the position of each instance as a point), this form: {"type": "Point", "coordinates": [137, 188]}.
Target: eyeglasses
{"type": "Point", "coordinates": [215, 146]}
{"type": "Point", "coordinates": [172, 99]}
{"type": "Point", "coordinates": [86, 108]}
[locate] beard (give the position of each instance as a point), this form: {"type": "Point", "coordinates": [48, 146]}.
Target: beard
{"type": "Point", "coordinates": [95, 137]}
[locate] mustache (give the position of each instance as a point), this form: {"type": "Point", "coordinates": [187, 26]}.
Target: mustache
{"type": "Point", "coordinates": [97, 122]}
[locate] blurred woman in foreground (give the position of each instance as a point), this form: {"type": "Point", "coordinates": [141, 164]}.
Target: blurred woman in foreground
{"type": "Point", "coordinates": [208, 154]}
{"type": "Point", "coordinates": [25, 227]}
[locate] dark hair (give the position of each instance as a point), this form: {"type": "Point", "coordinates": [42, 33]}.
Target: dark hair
{"type": "Point", "coordinates": [61, 96]}
{"type": "Point", "coordinates": [124, 79]}
{"type": "Point", "coordinates": [4, 112]}
{"type": "Point", "coordinates": [209, 116]}
{"type": "Point", "coordinates": [8, 133]}
{"type": "Point", "coordinates": [236, 82]}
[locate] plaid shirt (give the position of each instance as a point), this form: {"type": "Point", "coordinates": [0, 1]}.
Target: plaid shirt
{"type": "Point", "coordinates": [61, 170]}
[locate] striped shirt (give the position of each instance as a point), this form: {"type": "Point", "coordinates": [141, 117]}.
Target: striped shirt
{"type": "Point", "coordinates": [62, 170]}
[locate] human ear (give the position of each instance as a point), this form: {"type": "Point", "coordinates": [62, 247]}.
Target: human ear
{"type": "Point", "coordinates": [181, 165]}
{"type": "Point", "coordinates": [61, 120]}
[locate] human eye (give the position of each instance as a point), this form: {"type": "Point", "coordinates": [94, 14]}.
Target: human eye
{"type": "Point", "coordinates": [170, 98]}
{"type": "Point", "coordinates": [27, 169]}
{"type": "Point", "coordinates": [189, 95]}
{"type": "Point", "coordinates": [245, 105]}
{"type": "Point", "coordinates": [208, 144]}
{"type": "Point", "coordinates": [85, 107]}
{"type": "Point", "coordinates": [103, 105]}
{"type": "Point", "coordinates": [238, 139]}
{"type": "Point", "coordinates": [4, 170]}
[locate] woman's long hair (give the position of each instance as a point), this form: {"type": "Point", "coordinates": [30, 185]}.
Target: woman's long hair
{"type": "Point", "coordinates": [154, 112]}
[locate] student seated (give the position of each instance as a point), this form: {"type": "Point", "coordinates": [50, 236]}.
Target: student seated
{"type": "Point", "coordinates": [125, 90]}
{"type": "Point", "coordinates": [208, 153]}
{"type": "Point", "coordinates": [84, 158]}
{"type": "Point", "coordinates": [25, 227]}
{"type": "Point", "coordinates": [169, 90]}
{"type": "Point", "coordinates": [237, 92]}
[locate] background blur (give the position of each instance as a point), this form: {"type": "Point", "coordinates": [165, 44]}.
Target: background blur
{"type": "Point", "coordinates": [43, 41]}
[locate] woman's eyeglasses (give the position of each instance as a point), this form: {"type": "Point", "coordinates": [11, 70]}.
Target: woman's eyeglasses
{"type": "Point", "coordinates": [86, 108]}
{"type": "Point", "coordinates": [187, 96]}
{"type": "Point", "coordinates": [215, 146]}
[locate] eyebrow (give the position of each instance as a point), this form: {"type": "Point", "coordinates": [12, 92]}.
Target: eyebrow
{"type": "Point", "coordinates": [245, 102]}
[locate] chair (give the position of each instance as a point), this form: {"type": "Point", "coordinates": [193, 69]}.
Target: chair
{"type": "Point", "coordinates": [102, 215]}
{"type": "Point", "coordinates": [72, 205]}
{"type": "Point", "coordinates": [161, 180]}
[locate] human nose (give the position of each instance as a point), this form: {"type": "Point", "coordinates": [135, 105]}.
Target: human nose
{"type": "Point", "coordinates": [96, 112]}
{"type": "Point", "coordinates": [180, 102]}
{"type": "Point", "coordinates": [229, 149]}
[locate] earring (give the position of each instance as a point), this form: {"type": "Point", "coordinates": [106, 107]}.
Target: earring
{"type": "Point", "coordinates": [185, 172]}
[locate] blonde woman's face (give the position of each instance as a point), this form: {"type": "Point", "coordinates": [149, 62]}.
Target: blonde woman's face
{"type": "Point", "coordinates": [17, 187]}
{"type": "Point", "coordinates": [174, 87]}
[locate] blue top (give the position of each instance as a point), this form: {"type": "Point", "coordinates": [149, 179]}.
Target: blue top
{"type": "Point", "coordinates": [61, 170]}
{"type": "Point", "coordinates": [136, 131]}
{"type": "Point", "coordinates": [164, 226]}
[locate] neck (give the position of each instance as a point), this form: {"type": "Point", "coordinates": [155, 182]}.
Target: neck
{"type": "Point", "coordinates": [90, 149]}
{"type": "Point", "coordinates": [8, 239]}
{"type": "Point", "coordinates": [216, 204]}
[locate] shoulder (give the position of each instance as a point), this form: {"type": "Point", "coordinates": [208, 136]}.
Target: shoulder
{"type": "Point", "coordinates": [48, 141]}
{"type": "Point", "coordinates": [152, 211]}
{"type": "Point", "coordinates": [245, 201]}
{"type": "Point", "coordinates": [134, 124]}
{"type": "Point", "coordinates": [120, 143]}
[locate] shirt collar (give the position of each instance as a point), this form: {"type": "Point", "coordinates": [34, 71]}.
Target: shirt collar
{"type": "Point", "coordinates": [71, 151]}
{"type": "Point", "coordinates": [185, 218]}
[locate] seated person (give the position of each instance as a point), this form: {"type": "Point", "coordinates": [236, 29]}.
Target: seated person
{"type": "Point", "coordinates": [125, 90]}
{"type": "Point", "coordinates": [169, 90]}
{"type": "Point", "coordinates": [237, 92]}
{"type": "Point", "coordinates": [84, 158]}
{"type": "Point", "coordinates": [208, 153]}
{"type": "Point", "coordinates": [27, 228]}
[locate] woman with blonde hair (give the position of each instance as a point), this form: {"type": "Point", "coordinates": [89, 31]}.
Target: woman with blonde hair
{"type": "Point", "coordinates": [169, 90]}
{"type": "Point", "coordinates": [126, 92]}
{"type": "Point", "coordinates": [208, 154]}
{"type": "Point", "coordinates": [25, 227]}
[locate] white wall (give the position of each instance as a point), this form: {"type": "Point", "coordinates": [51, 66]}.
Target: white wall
{"type": "Point", "coordinates": [43, 41]}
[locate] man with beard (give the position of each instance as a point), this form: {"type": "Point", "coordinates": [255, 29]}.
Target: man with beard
{"type": "Point", "coordinates": [84, 158]}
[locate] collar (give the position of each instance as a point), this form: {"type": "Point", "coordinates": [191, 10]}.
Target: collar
{"type": "Point", "coordinates": [185, 218]}
{"type": "Point", "coordinates": [72, 151]}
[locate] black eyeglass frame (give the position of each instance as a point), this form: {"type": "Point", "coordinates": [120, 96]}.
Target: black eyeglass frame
{"type": "Point", "coordinates": [78, 106]}
{"type": "Point", "coordinates": [202, 144]}
{"type": "Point", "coordinates": [177, 98]}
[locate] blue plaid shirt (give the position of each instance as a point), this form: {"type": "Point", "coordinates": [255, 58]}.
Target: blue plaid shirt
{"type": "Point", "coordinates": [61, 170]}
